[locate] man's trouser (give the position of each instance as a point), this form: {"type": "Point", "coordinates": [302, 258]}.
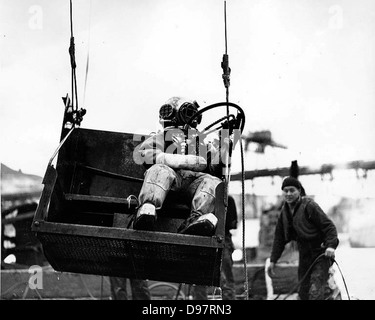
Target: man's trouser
{"type": "Point", "coordinates": [198, 186]}
{"type": "Point", "coordinates": [315, 286]}
{"type": "Point", "coordinates": [139, 289]}
{"type": "Point", "coordinates": [227, 278]}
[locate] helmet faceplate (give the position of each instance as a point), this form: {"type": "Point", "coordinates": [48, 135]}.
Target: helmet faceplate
{"type": "Point", "coordinates": [178, 111]}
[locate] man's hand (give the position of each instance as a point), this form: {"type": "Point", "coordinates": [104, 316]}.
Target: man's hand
{"type": "Point", "coordinates": [330, 253]}
{"type": "Point", "coordinates": [271, 269]}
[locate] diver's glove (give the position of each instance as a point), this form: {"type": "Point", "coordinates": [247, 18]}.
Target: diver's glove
{"type": "Point", "coordinates": [179, 161]}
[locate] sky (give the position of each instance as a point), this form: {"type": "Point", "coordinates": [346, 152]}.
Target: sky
{"type": "Point", "coordinates": [303, 69]}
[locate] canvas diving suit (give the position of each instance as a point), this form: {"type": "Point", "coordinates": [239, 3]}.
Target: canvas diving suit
{"type": "Point", "coordinates": [177, 159]}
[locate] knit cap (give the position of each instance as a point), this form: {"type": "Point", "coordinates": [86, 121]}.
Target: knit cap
{"type": "Point", "coordinates": [291, 182]}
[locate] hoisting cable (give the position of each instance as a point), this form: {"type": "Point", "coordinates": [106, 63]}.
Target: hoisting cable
{"type": "Point", "coordinates": [226, 80]}
{"type": "Point", "coordinates": [88, 56]}
{"type": "Point", "coordinates": [75, 115]}
{"type": "Point", "coordinates": [73, 62]}
{"type": "Point", "coordinates": [225, 62]}
{"type": "Point", "coordinates": [246, 284]}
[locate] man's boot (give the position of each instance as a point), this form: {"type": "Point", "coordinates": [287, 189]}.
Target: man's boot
{"type": "Point", "coordinates": [146, 217]}
{"type": "Point", "coordinates": [199, 225]}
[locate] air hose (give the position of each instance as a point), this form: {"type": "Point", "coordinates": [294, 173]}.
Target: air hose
{"type": "Point", "coordinates": [306, 274]}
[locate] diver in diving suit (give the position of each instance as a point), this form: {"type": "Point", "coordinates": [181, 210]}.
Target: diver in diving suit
{"type": "Point", "coordinates": [178, 159]}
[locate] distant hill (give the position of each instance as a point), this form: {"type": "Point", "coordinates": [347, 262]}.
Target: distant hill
{"type": "Point", "coordinates": [17, 185]}
{"type": "Point", "coordinates": [6, 171]}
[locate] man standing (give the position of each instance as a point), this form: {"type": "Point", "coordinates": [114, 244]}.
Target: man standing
{"type": "Point", "coordinates": [301, 219]}
{"type": "Point", "coordinates": [226, 276]}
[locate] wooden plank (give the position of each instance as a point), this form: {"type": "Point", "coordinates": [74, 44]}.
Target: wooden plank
{"type": "Point", "coordinates": [121, 205]}
{"type": "Point", "coordinates": [89, 198]}
{"type": "Point", "coordinates": [49, 181]}
{"type": "Point", "coordinates": [100, 204]}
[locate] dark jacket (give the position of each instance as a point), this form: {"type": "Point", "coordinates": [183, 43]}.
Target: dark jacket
{"type": "Point", "coordinates": [308, 225]}
{"type": "Point", "coordinates": [231, 216]}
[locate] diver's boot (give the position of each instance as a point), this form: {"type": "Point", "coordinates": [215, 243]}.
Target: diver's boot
{"type": "Point", "coordinates": [199, 225]}
{"type": "Point", "coordinates": [145, 218]}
